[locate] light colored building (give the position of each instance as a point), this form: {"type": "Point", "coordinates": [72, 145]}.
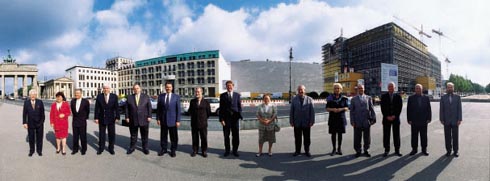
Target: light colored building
{"type": "Point", "coordinates": [53, 86]}
{"type": "Point", "coordinates": [207, 69]}
{"type": "Point", "coordinates": [91, 79]}
{"type": "Point", "coordinates": [117, 63]}
{"type": "Point", "coordinates": [126, 79]}
{"type": "Point", "coordinates": [10, 69]}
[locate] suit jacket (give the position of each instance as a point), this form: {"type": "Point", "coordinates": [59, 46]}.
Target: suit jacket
{"type": "Point", "coordinates": [106, 113]}
{"type": "Point", "coordinates": [138, 114]}
{"type": "Point", "coordinates": [34, 118]}
{"type": "Point", "coordinates": [230, 110]}
{"type": "Point", "coordinates": [199, 113]}
{"type": "Point", "coordinates": [391, 108]}
{"type": "Point", "coordinates": [450, 112]}
{"type": "Point", "coordinates": [362, 112]}
{"type": "Point", "coordinates": [302, 115]}
{"type": "Point", "coordinates": [419, 115]}
{"type": "Point", "coordinates": [168, 115]}
{"type": "Point", "coordinates": [80, 117]}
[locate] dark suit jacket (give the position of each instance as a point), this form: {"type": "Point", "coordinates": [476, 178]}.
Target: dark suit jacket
{"type": "Point", "coordinates": [419, 115]}
{"type": "Point", "coordinates": [230, 110]}
{"type": "Point", "coordinates": [80, 117]}
{"type": "Point", "coordinates": [138, 114]}
{"type": "Point", "coordinates": [34, 118]}
{"type": "Point", "coordinates": [199, 113]}
{"type": "Point", "coordinates": [450, 112]}
{"type": "Point", "coordinates": [106, 113]}
{"type": "Point", "coordinates": [302, 115]}
{"type": "Point", "coordinates": [168, 115]}
{"type": "Point", "coordinates": [391, 108]}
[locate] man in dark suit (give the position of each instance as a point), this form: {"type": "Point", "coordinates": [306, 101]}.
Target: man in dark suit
{"type": "Point", "coordinates": [138, 115]}
{"type": "Point", "coordinates": [230, 111]}
{"type": "Point", "coordinates": [168, 117]}
{"type": "Point", "coordinates": [419, 115]}
{"type": "Point", "coordinates": [362, 116]}
{"type": "Point", "coordinates": [391, 107]}
{"type": "Point", "coordinates": [106, 114]}
{"type": "Point", "coordinates": [80, 109]}
{"type": "Point", "coordinates": [302, 118]}
{"type": "Point", "coordinates": [199, 110]}
{"type": "Point", "coordinates": [451, 115]}
{"type": "Point", "coordinates": [33, 120]}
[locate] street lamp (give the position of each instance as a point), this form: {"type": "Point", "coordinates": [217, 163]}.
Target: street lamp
{"type": "Point", "coordinates": [290, 62]}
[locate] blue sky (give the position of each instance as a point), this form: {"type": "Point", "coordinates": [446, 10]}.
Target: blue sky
{"type": "Point", "coordinates": [57, 34]}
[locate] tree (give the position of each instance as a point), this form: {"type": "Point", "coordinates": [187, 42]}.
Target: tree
{"type": "Point", "coordinates": [324, 94]}
{"type": "Point", "coordinates": [313, 95]}
{"type": "Point", "coordinates": [487, 88]}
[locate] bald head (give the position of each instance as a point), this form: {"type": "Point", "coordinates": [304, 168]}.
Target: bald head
{"type": "Point", "coordinates": [418, 89]}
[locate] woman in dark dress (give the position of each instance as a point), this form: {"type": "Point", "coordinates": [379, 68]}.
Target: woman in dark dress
{"type": "Point", "coordinates": [199, 110]}
{"type": "Point", "coordinates": [336, 106]}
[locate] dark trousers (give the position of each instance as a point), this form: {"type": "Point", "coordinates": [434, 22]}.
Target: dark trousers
{"type": "Point", "coordinates": [305, 133]}
{"type": "Point", "coordinates": [422, 130]}
{"type": "Point", "coordinates": [362, 133]}
{"type": "Point", "coordinates": [334, 139]}
{"type": "Point", "coordinates": [199, 133]}
{"type": "Point", "coordinates": [35, 138]}
{"type": "Point", "coordinates": [133, 131]}
{"type": "Point", "coordinates": [233, 129]}
{"type": "Point", "coordinates": [80, 134]}
{"type": "Point", "coordinates": [451, 135]}
{"type": "Point", "coordinates": [174, 138]}
{"type": "Point", "coordinates": [111, 130]}
{"type": "Point", "coordinates": [387, 133]}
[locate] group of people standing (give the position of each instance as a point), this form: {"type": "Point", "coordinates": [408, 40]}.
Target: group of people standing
{"type": "Point", "coordinates": [419, 115]}
{"type": "Point", "coordinates": [138, 115]}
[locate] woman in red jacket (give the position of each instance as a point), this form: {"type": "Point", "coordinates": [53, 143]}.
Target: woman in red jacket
{"type": "Point", "coordinates": [60, 111]}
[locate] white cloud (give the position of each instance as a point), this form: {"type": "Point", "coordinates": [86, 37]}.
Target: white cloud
{"type": "Point", "coordinates": [23, 56]}
{"type": "Point", "coordinates": [57, 65]}
{"type": "Point", "coordinates": [177, 10]}
{"type": "Point", "coordinates": [67, 40]}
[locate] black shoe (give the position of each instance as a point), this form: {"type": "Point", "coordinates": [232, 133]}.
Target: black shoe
{"type": "Point", "coordinates": [367, 154]}
{"type": "Point", "coordinates": [398, 153]}
{"type": "Point", "coordinates": [63, 153]}
{"type": "Point", "coordinates": [307, 154]}
{"type": "Point", "coordinates": [235, 153]}
{"type": "Point", "coordinates": [99, 152]}
{"type": "Point", "coordinates": [58, 151]}
{"type": "Point", "coordinates": [295, 153]}
{"type": "Point", "coordinates": [162, 152]}
{"type": "Point", "coordinates": [30, 154]}
{"type": "Point", "coordinates": [385, 154]}
{"type": "Point", "coordinates": [40, 154]}
{"type": "Point", "coordinates": [74, 152]}
{"type": "Point", "coordinates": [339, 152]}
{"type": "Point", "coordinates": [146, 152]}
{"type": "Point", "coordinates": [413, 152]}
{"type": "Point", "coordinates": [131, 150]}
{"type": "Point", "coordinates": [204, 154]}
{"type": "Point", "coordinates": [226, 154]}
{"type": "Point", "coordinates": [456, 154]}
{"type": "Point", "coordinates": [425, 153]}
{"type": "Point", "coordinates": [83, 153]}
{"type": "Point", "coordinates": [332, 153]}
{"type": "Point", "coordinates": [172, 154]}
{"type": "Point", "coordinates": [112, 152]}
{"type": "Point", "coordinates": [193, 154]}
{"type": "Point", "coordinates": [358, 154]}
{"type": "Point", "coordinates": [448, 153]}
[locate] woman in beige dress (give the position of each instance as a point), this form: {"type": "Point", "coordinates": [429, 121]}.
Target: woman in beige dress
{"type": "Point", "coordinates": [266, 114]}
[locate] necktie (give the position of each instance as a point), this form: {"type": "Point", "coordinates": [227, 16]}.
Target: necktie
{"type": "Point", "coordinates": [106, 99]}
{"type": "Point", "coordinates": [167, 100]}
{"type": "Point", "coordinates": [420, 100]}
{"type": "Point", "coordinates": [137, 99]}
{"type": "Point", "coordinates": [229, 96]}
{"type": "Point", "coordinates": [33, 103]}
{"type": "Point", "coordinates": [450, 98]}
{"type": "Point", "coordinates": [391, 98]}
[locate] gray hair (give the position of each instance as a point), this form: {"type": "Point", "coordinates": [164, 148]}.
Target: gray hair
{"type": "Point", "coordinates": [449, 83]}
{"type": "Point", "coordinates": [33, 91]}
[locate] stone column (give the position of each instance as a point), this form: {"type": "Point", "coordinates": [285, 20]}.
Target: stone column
{"type": "Point", "coordinates": [24, 86]}
{"type": "Point", "coordinates": [15, 86]}
{"type": "Point", "coordinates": [34, 84]}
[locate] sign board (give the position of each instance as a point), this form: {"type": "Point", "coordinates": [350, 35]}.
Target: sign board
{"type": "Point", "coordinates": [336, 77]}
{"type": "Point", "coordinates": [389, 73]}
{"type": "Point", "coordinates": [360, 81]}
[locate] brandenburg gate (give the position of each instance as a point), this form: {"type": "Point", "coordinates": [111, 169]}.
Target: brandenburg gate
{"type": "Point", "coordinates": [11, 69]}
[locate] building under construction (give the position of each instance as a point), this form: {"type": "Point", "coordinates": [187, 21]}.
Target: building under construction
{"type": "Point", "coordinates": [389, 44]}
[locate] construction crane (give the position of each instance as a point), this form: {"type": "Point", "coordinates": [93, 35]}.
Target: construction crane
{"type": "Point", "coordinates": [447, 61]}
{"type": "Point", "coordinates": [421, 30]}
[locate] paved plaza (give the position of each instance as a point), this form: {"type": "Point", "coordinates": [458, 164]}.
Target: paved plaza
{"type": "Point", "coordinates": [473, 163]}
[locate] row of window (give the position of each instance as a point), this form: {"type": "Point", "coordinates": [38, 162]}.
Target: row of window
{"type": "Point", "coordinates": [93, 85]}
{"type": "Point", "coordinates": [96, 72]}
{"type": "Point", "coordinates": [105, 78]}
{"type": "Point", "coordinates": [199, 80]}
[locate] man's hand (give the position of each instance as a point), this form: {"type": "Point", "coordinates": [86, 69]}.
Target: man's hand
{"type": "Point", "coordinates": [96, 121]}
{"type": "Point", "coordinates": [158, 122]}
{"type": "Point", "coordinates": [149, 119]}
{"type": "Point", "coordinates": [459, 122]}
{"type": "Point", "coordinates": [117, 121]}
{"type": "Point", "coordinates": [410, 122]}
{"type": "Point", "coordinates": [127, 120]}
{"type": "Point", "coordinates": [177, 124]}
{"type": "Point", "coordinates": [222, 123]}
{"type": "Point", "coordinates": [353, 124]}
{"type": "Point", "coordinates": [25, 126]}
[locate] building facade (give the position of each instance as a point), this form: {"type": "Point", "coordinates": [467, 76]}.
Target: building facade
{"type": "Point", "coordinates": [10, 69]}
{"type": "Point", "coordinates": [53, 86]}
{"type": "Point", "coordinates": [332, 54]}
{"type": "Point", "coordinates": [206, 69]}
{"type": "Point", "coordinates": [390, 44]}
{"type": "Point", "coordinates": [117, 63]}
{"type": "Point", "coordinates": [91, 79]}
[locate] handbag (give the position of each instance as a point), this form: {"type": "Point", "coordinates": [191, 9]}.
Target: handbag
{"type": "Point", "coordinates": [277, 128]}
